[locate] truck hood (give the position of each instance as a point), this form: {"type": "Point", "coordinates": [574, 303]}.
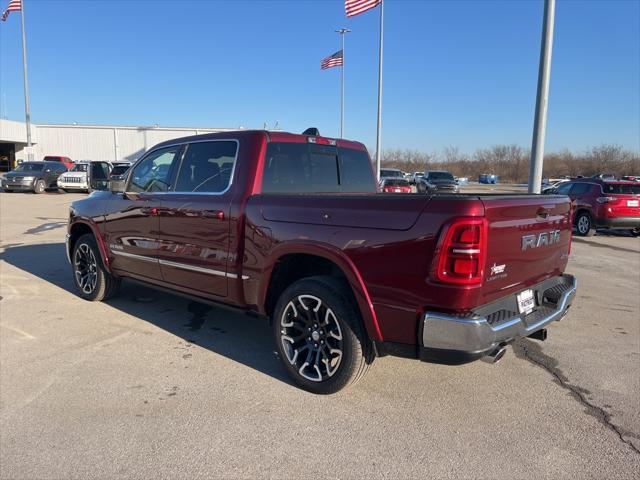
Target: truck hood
{"type": "Point", "coordinates": [442, 181]}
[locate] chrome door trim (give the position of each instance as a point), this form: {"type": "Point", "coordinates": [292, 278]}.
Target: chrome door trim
{"type": "Point", "coordinates": [144, 258]}
{"type": "Point", "coordinates": [193, 268]}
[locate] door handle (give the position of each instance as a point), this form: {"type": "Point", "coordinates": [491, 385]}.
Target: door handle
{"type": "Point", "coordinates": [213, 214]}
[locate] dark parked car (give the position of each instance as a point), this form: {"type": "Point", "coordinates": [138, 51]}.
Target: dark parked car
{"type": "Point", "coordinates": [33, 176]}
{"type": "Point", "coordinates": [436, 181]}
{"type": "Point", "coordinates": [604, 204]}
{"type": "Point", "coordinates": [292, 227]}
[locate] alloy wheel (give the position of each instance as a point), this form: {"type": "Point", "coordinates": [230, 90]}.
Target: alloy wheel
{"type": "Point", "coordinates": [583, 224]}
{"type": "Point", "coordinates": [86, 269]}
{"type": "Point", "coordinates": [311, 338]}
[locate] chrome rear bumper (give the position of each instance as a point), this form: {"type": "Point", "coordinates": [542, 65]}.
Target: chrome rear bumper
{"type": "Point", "coordinates": [474, 336]}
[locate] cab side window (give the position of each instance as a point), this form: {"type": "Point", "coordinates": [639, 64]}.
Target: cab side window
{"type": "Point", "coordinates": [153, 173]}
{"type": "Point", "coordinates": [207, 167]}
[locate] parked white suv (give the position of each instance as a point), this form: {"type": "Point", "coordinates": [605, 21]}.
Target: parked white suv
{"type": "Point", "coordinates": [78, 179]}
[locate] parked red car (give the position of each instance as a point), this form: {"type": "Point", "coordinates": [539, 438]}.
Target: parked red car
{"type": "Point", "coordinates": [292, 227]}
{"type": "Point", "coordinates": [57, 158]}
{"type": "Point", "coordinates": [605, 204]}
{"type": "Point", "coordinates": [395, 185]}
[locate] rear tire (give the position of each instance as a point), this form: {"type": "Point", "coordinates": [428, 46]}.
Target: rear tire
{"type": "Point", "coordinates": [319, 335]}
{"type": "Point", "coordinates": [39, 187]}
{"type": "Point", "coordinates": [8, 191]}
{"type": "Point", "coordinates": [91, 279]}
{"type": "Point", "coordinates": [635, 232]}
{"type": "Point", "coordinates": [584, 225]}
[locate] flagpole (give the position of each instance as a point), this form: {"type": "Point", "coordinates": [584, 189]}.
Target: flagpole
{"type": "Point", "coordinates": [379, 129]}
{"type": "Point", "coordinates": [342, 32]}
{"type": "Point", "coordinates": [27, 112]}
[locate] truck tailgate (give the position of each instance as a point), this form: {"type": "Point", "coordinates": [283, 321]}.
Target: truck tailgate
{"type": "Point", "coordinates": [528, 240]}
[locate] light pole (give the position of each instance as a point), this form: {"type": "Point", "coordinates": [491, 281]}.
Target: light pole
{"type": "Point", "coordinates": [542, 98]}
{"type": "Point", "coordinates": [342, 32]}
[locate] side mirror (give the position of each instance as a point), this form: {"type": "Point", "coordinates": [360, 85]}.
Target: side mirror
{"type": "Point", "coordinates": [117, 185]}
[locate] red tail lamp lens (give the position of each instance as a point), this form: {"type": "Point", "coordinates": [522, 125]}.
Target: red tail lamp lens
{"type": "Point", "coordinates": [461, 252]}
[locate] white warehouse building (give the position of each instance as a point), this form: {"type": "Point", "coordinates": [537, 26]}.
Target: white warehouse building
{"type": "Point", "coordinates": [85, 142]}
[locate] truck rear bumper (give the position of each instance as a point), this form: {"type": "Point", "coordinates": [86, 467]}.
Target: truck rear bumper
{"type": "Point", "coordinates": [454, 339]}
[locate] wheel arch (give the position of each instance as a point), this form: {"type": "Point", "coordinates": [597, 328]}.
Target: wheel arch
{"type": "Point", "coordinates": [580, 210]}
{"type": "Point", "coordinates": [81, 227]}
{"type": "Point", "coordinates": [291, 262]}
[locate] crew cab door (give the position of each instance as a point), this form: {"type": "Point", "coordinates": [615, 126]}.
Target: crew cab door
{"type": "Point", "coordinates": [132, 222]}
{"type": "Point", "coordinates": [194, 219]}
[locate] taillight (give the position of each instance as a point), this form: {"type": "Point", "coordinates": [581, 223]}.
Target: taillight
{"type": "Point", "coordinates": [462, 251]}
{"type": "Point", "coordinates": [606, 199]}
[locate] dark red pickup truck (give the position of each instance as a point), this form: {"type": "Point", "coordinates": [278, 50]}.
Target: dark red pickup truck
{"type": "Point", "coordinates": [292, 227]}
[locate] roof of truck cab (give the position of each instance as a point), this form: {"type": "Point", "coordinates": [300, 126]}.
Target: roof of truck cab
{"type": "Point", "coordinates": [284, 137]}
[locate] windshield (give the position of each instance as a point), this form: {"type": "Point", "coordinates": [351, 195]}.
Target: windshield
{"type": "Point", "coordinates": [440, 176]}
{"type": "Point", "coordinates": [82, 167]}
{"type": "Point", "coordinates": [390, 173]}
{"type": "Point", "coordinates": [29, 167]}
{"type": "Point", "coordinates": [621, 188]}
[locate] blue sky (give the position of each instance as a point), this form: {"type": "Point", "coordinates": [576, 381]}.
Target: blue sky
{"type": "Point", "coordinates": [460, 73]}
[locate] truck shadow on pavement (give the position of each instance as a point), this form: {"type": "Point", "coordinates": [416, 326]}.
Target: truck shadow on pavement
{"type": "Point", "coordinates": [236, 335]}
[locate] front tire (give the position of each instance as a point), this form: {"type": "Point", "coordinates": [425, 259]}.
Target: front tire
{"type": "Point", "coordinates": [319, 335]}
{"type": "Point", "coordinates": [39, 187]}
{"type": "Point", "coordinates": [584, 225]}
{"type": "Point", "coordinates": [90, 277]}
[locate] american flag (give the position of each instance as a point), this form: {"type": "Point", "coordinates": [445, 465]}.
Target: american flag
{"type": "Point", "coordinates": [356, 7]}
{"type": "Point", "coordinates": [334, 60]}
{"type": "Point", "coordinates": [14, 6]}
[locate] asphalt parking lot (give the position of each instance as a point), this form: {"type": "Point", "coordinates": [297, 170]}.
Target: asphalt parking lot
{"type": "Point", "coordinates": [152, 385]}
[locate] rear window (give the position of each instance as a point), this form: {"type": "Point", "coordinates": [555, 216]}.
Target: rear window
{"type": "Point", "coordinates": [311, 168]}
{"type": "Point", "coordinates": [390, 173]}
{"type": "Point", "coordinates": [621, 188]}
{"type": "Point", "coordinates": [396, 183]}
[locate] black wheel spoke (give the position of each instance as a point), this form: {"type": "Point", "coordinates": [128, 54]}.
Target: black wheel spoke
{"type": "Point", "coordinates": [86, 267]}
{"type": "Point", "coordinates": [311, 337]}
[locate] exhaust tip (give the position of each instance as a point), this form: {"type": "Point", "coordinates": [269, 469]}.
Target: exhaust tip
{"type": "Point", "coordinates": [495, 356]}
